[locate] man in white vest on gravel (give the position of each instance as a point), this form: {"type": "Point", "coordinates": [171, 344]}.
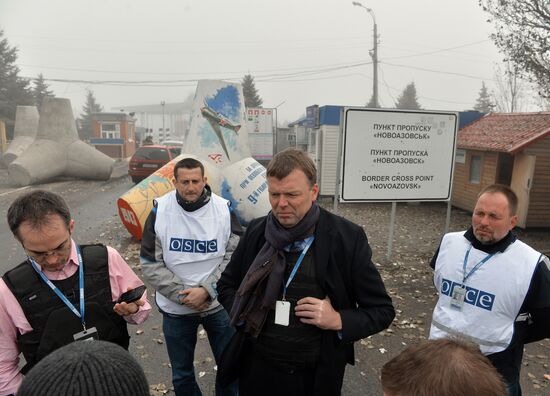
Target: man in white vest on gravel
{"type": "Point", "coordinates": [183, 248]}
{"type": "Point", "coordinates": [494, 290]}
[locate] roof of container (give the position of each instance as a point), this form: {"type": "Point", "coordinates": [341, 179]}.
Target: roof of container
{"type": "Point", "coordinates": [330, 115]}
{"type": "Point", "coordinates": [299, 121]}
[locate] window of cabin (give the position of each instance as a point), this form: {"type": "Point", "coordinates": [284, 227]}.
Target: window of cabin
{"type": "Point", "coordinates": [460, 156]}
{"type": "Point", "coordinates": [110, 130]}
{"type": "Point", "coordinates": [475, 169]}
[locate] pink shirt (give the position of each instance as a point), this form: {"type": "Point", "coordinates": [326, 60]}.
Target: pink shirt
{"type": "Point", "coordinates": [13, 320]}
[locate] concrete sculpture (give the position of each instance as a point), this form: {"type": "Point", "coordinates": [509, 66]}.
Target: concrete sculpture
{"type": "Point", "coordinates": [218, 138]}
{"type": "Point", "coordinates": [57, 150]}
{"type": "Point", "coordinates": [24, 133]}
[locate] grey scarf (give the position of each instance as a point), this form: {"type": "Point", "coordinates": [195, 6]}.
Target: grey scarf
{"type": "Point", "coordinates": [263, 281]}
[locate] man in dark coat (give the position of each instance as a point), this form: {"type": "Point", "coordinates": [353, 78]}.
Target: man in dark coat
{"type": "Point", "coordinates": [300, 309]}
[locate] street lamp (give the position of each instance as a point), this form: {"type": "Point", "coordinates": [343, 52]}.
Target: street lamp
{"type": "Point", "coordinates": [162, 103]}
{"type": "Point", "coordinates": [373, 53]}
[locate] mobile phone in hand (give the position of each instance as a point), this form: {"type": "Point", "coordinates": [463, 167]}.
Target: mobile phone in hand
{"type": "Point", "coordinates": [131, 295]}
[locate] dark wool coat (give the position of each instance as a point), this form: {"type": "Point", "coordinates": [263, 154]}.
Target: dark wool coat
{"type": "Point", "coordinates": [346, 274]}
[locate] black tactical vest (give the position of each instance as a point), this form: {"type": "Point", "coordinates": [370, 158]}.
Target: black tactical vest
{"type": "Point", "coordinates": [53, 323]}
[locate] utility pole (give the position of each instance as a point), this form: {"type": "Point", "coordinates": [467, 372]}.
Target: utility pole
{"type": "Point", "coordinates": [373, 54]}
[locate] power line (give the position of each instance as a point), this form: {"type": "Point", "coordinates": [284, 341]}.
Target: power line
{"type": "Point", "coordinates": [190, 41]}
{"type": "Point", "coordinates": [260, 71]}
{"type": "Point", "coordinates": [300, 69]}
{"type": "Point", "coordinates": [386, 85]}
{"type": "Point", "coordinates": [266, 77]}
{"type": "Point", "coordinates": [439, 71]}
{"type": "Point", "coordinates": [438, 51]}
{"type": "Point", "coordinates": [318, 78]}
{"type": "Point", "coordinates": [259, 77]}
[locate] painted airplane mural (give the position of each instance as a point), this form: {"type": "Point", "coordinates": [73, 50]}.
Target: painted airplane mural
{"type": "Point", "coordinates": [217, 120]}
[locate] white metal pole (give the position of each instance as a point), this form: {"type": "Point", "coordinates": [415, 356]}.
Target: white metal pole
{"type": "Point", "coordinates": [392, 226]}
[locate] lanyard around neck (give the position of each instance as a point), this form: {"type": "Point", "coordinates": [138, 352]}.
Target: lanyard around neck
{"type": "Point", "coordinates": [476, 267]}
{"type": "Point", "coordinates": [61, 295]}
{"type": "Point", "coordinates": [309, 241]}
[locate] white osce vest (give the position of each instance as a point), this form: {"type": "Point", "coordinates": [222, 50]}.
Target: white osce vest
{"type": "Point", "coordinates": [494, 293]}
{"type": "Point", "coordinates": [193, 243]}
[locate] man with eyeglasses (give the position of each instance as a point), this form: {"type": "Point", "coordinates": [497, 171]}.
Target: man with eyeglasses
{"type": "Point", "coordinates": [63, 292]}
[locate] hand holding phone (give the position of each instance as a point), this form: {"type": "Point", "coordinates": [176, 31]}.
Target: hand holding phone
{"type": "Point", "coordinates": [131, 295]}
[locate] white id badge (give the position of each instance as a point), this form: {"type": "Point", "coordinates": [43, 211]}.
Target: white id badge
{"type": "Point", "coordinates": [87, 335]}
{"type": "Point", "coordinates": [457, 300]}
{"type": "Point", "coordinates": [282, 313]}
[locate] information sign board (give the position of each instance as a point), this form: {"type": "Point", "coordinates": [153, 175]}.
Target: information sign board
{"type": "Point", "coordinates": [397, 155]}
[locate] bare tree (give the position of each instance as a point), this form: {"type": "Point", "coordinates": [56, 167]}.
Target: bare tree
{"type": "Point", "coordinates": [542, 103]}
{"type": "Point", "coordinates": [510, 89]}
{"type": "Point", "coordinates": [522, 34]}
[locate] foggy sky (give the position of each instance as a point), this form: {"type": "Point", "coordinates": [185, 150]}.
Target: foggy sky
{"type": "Point", "coordinates": [301, 52]}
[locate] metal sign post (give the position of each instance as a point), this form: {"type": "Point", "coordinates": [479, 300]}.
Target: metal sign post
{"type": "Point", "coordinates": [392, 226]}
{"type": "Point", "coordinates": [338, 163]}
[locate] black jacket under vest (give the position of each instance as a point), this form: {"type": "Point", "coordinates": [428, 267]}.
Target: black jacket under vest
{"type": "Point", "coordinates": [53, 323]}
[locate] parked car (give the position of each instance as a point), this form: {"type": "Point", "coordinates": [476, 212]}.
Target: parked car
{"type": "Point", "coordinates": [147, 159]}
{"type": "Point", "coordinates": [175, 143]}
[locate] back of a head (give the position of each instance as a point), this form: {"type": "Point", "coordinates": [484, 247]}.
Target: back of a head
{"type": "Point", "coordinates": [86, 368]}
{"type": "Point", "coordinates": [441, 368]}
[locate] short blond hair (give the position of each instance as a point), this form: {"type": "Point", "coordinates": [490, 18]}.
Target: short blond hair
{"type": "Point", "coordinates": [289, 159]}
{"type": "Point", "coordinates": [441, 368]}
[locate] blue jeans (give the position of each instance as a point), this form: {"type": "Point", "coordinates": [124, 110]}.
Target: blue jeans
{"type": "Point", "coordinates": [180, 333]}
{"type": "Point", "coordinates": [514, 389]}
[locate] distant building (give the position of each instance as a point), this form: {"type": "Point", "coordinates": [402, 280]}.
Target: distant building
{"type": "Point", "coordinates": [168, 121]}
{"type": "Point", "coordinates": [260, 125]}
{"type": "Point", "coordinates": [114, 134]}
{"type": "Point", "coordinates": [283, 139]}
{"type": "Point", "coordinates": [317, 134]}
{"type": "Point", "coordinates": [297, 136]}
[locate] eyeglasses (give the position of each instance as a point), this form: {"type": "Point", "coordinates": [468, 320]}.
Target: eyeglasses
{"type": "Point", "coordinates": [42, 256]}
